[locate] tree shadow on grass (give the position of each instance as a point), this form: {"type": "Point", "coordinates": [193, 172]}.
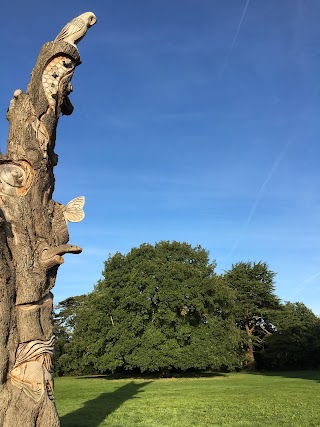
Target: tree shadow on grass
{"type": "Point", "coordinates": [155, 376]}
{"type": "Point", "coordinates": [313, 375]}
{"type": "Point", "coordinates": [96, 410]}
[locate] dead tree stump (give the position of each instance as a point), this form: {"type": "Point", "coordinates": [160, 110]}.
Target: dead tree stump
{"type": "Point", "coordinates": [34, 233]}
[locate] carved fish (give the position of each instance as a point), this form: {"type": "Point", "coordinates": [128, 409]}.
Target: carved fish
{"type": "Point", "coordinates": [56, 83]}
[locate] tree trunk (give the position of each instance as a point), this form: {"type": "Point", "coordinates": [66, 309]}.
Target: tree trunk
{"type": "Point", "coordinates": [33, 238]}
{"type": "Point", "coordinates": [251, 363]}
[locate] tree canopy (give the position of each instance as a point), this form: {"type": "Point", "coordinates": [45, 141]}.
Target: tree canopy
{"type": "Point", "coordinates": [64, 320]}
{"type": "Point", "coordinates": [296, 341]}
{"type": "Point", "coordinates": [162, 307]}
{"type": "Point", "coordinates": [158, 307]}
{"type": "Point", "coordinates": [253, 284]}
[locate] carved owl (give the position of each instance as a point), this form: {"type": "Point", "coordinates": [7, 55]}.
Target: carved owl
{"type": "Point", "coordinates": [76, 29]}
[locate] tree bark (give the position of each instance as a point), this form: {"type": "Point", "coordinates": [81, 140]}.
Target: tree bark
{"type": "Point", "coordinates": [251, 363]}
{"type": "Point", "coordinates": [33, 238]}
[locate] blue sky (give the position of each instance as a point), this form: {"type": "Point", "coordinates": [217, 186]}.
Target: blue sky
{"type": "Point", "coordinates": [194, 120]}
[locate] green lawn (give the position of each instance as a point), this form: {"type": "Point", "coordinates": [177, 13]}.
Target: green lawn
{"type": "Point", "coordinates": [254, 400]}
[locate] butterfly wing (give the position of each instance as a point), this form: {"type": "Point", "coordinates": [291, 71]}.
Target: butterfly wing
{"type": "Point", "coordinates": [73, 212]}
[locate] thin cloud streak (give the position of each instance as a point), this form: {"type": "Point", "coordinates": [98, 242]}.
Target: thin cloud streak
{"type": "Point", "coordinates": [305, 283]}
{"type": "Point", "coordinates": [224, 66]}
{"type": "Point", "coordinates": [239, 26]}
{"type": "Point", "coordinates": [268, 178]}
{"type": "Point", "coordinates": [259, 195]}
{"type": "Point", "coordinates": [309, 279]}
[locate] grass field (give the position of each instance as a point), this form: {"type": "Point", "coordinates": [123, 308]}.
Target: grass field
{"type": "Point", "coordinates": [288, 399]}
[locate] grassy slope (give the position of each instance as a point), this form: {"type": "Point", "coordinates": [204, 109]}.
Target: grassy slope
{"type": "Point", "coordinates": [227, 400]}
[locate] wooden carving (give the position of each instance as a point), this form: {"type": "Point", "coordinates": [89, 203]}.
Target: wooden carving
{"type": "Point", "coordinates": [34, 232]}
{"type": "Point", "coordinates": [32, 371]}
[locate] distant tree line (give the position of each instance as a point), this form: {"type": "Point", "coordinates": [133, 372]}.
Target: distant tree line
{"type": "Point", "coordinates": [162, 307]}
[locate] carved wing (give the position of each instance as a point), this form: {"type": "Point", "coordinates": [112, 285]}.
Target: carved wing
{"type": "Point", "coordinates": [73, 212]}
{"type": "Point", "coordinates": [71, 28]}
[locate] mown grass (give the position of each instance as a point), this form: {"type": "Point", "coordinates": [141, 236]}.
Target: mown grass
{"type": "Point", "coordinates": [288, 399]}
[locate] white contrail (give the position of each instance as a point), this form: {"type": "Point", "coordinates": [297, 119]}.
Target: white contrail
{"type": "Point", "coordinates": [309, 279]}
{"type": "Point", "coordinates": [305, 283]}
{"type": "Point", "coordinates": [260, 192]}
{"type": "Point", "coordinates": [239, 26]}
{"type": "Point", "coordinates": [234, 39]}
{"type": "Point", "coordinates": [270, 174]}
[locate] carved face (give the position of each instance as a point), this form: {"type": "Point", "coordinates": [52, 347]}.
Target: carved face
{"type": "Point", "coordinates": [32, 370]}
{"type": "Point", "coordinates": [29, 377]}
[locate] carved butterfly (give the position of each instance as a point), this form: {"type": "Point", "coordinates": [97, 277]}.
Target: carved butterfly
{"type": "Point", "coordinates": [73, 211]}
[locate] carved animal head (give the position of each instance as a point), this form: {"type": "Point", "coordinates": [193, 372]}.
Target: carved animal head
{"type": "Point", "coordinates": [89, 17]}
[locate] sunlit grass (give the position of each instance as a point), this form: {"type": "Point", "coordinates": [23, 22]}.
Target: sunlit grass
{"type": "Point", "coordinates": [253, 400]}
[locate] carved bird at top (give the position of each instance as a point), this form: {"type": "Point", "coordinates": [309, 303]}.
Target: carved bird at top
{"type": "Point", "coordinates": [76, 29]}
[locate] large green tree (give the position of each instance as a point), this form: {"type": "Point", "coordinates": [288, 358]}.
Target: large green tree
{"type": "Point", "coordinates": [64, 319]}
{"type": "Point", "coordinates": [296, 342]}
{"type": "Point", "coordinates": [253, 284]}
{"type": "Point", "coordinates": [157, 308]}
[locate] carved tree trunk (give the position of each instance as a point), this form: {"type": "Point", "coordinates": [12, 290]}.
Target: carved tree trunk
{"type": "Point", "coordinates": [34, 233]}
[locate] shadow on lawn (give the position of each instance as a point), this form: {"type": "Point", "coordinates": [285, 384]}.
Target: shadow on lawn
{"type": "Point", "coordinates": [313, 375]}
{"type": "Point", "coordinates": [155, 376]}
{"type": "Point", "coordinates": [95, 411]}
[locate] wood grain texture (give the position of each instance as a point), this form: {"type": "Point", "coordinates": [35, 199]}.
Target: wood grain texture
{"type": "Point", "coordinates": [33, 238]}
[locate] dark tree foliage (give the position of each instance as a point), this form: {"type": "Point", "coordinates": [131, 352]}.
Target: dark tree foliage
{"type": "Point", "coordinates": [256, 302]}
{"type": "Point", "coordinates": [157, 308]}
{"type": "Point", "coordinates": [296, 342]}
{"type": "Point", "coordinates": [64, 319]}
